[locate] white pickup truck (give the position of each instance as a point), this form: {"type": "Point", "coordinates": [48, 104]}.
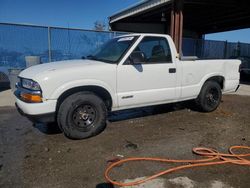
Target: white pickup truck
{"type": "Point", "coordinates": [126, 72]}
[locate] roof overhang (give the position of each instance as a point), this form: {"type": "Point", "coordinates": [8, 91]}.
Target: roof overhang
{"type": "Point", "coordinates": [200, 16]}
{"type": "Point", "coordinates": [138, 8]}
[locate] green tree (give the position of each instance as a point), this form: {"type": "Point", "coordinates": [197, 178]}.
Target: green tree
{"type": "Point", "coordinates": [99, 25]}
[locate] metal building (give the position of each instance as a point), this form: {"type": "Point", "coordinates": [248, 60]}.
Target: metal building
{"type": "Point", "coordinates": [188, 18]}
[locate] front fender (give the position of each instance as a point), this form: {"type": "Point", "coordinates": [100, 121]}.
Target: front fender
{"type": "Point", "coordinates": [86, 82]}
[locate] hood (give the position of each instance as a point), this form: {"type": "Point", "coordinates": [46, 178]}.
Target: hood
{"type": "Point", "coordinates": [47, 68]}
{"type": "Point", "coordinates": [55, 78]}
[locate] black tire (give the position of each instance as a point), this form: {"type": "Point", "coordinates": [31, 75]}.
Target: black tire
{"type": "Point", "coordinates": [82, 115]}
{"type": "Point", "coordinates": [209, 97]}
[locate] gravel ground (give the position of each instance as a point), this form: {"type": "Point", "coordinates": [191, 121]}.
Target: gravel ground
{"type": "Point", "coordinates": [40, 156]}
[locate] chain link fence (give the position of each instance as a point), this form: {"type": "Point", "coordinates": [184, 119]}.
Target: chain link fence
{"type": "Point", "coordinates": [48, 43]}
{"type": "Point", "coordinates": [210, 49]}
{"type": "Point", "coordinates": [54, 44]}
{"type": "Point", "coordinates": [22, 43]}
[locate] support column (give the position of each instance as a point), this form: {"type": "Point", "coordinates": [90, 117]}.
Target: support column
{"type": "Point", "coordinates": [176, 27]}
{"type": "Point", "coordinates": [49, 44]}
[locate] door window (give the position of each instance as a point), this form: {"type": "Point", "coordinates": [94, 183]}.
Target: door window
{"type": "Point", "coordinates": [155, 50]}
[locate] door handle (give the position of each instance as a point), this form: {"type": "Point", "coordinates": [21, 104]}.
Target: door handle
{"type": "Point", "coordinates": [172, 70]}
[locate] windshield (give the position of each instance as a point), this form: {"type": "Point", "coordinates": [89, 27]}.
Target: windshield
{"type": "Point", "coordinates": [113, 50]}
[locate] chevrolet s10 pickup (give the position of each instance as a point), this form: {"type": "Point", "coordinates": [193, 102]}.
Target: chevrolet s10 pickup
{"type": "Point", "coordinates": [128, 71]}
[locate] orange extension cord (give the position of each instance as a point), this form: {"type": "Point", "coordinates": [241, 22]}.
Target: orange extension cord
{"type": "Point", "coordinates": [210, 157]}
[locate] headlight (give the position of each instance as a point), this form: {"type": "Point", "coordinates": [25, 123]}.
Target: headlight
{"type": "Point", "coordinates": [30, 84]}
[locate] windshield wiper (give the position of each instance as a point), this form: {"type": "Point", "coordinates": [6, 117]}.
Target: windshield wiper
{"type": "Point", "coordinates": [92, 57]}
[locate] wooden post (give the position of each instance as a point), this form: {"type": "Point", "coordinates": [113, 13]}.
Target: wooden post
{"type": "Point", "coordinates": [176, 27]}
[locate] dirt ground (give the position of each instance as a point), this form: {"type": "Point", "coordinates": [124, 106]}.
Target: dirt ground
{"type": "Point", "coordinates": [40, 156]}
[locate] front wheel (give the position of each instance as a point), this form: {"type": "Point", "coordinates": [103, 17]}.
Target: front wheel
{"type": "Point", "coordinates": [82, 115]}
{"type": "Point", "coordinates": [209, 97]}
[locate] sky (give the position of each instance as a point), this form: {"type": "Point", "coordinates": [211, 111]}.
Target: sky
{"type": "Point", "coordinates": [81, 14]}
{"type": "Point", "coordinates": [72, 13]}
{"type": "Point", "coordinates": [242, 35]}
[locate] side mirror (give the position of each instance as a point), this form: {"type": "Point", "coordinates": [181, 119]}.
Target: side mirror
{"type": "Point", "coordinates": [137, 57]}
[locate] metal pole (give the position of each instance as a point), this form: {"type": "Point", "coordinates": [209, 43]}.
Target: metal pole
{"type": "Point", "coordinates": [225, 50]}
{"type": "Point", "coordinates": [49, 44]}
{"type": "Point", "coordinates": [172, 24]}
{"type": "Point", "coordinates": [180, 33]}
{"type": "Point", "coordinates": [239, 54]}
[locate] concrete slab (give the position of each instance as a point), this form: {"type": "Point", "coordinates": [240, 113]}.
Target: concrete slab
{"type": "Point", "coordinates": [244, 90]}
{"type": "Point", "coordinates": [159, 183]}
{"type": "Point", "coordinates": [182, 182]}
{"type": "Point", "coordinates": [7, 98]}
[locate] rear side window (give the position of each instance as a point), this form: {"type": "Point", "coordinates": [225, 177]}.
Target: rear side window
{"type": "Point", "coordinates": [155, 50]}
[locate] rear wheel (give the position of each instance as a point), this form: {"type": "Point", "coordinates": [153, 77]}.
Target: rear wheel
{"type": "Point", "coordinates": [209, 97]}
{"type": "Point", "coordinates": [82, 115]}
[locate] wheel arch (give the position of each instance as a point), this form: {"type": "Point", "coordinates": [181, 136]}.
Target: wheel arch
{"type": "Point", "coordinates": [219, 79]}
{"type": "Point", "coordinates": [216, 78]}
{"type": "Point", "coordinates": [97, 90]}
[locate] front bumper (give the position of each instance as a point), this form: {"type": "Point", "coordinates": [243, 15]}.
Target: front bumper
{"type": "Point", "coordinates": [43, 112]}
{"type": "Point", "coordinates": [39, 118]}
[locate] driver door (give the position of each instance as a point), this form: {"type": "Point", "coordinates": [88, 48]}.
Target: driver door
{"type": "Point", "coordinates": [152, 81]}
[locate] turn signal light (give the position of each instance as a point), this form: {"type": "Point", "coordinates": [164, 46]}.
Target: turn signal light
{"type": "Point", "coordinates": [31, 98]}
